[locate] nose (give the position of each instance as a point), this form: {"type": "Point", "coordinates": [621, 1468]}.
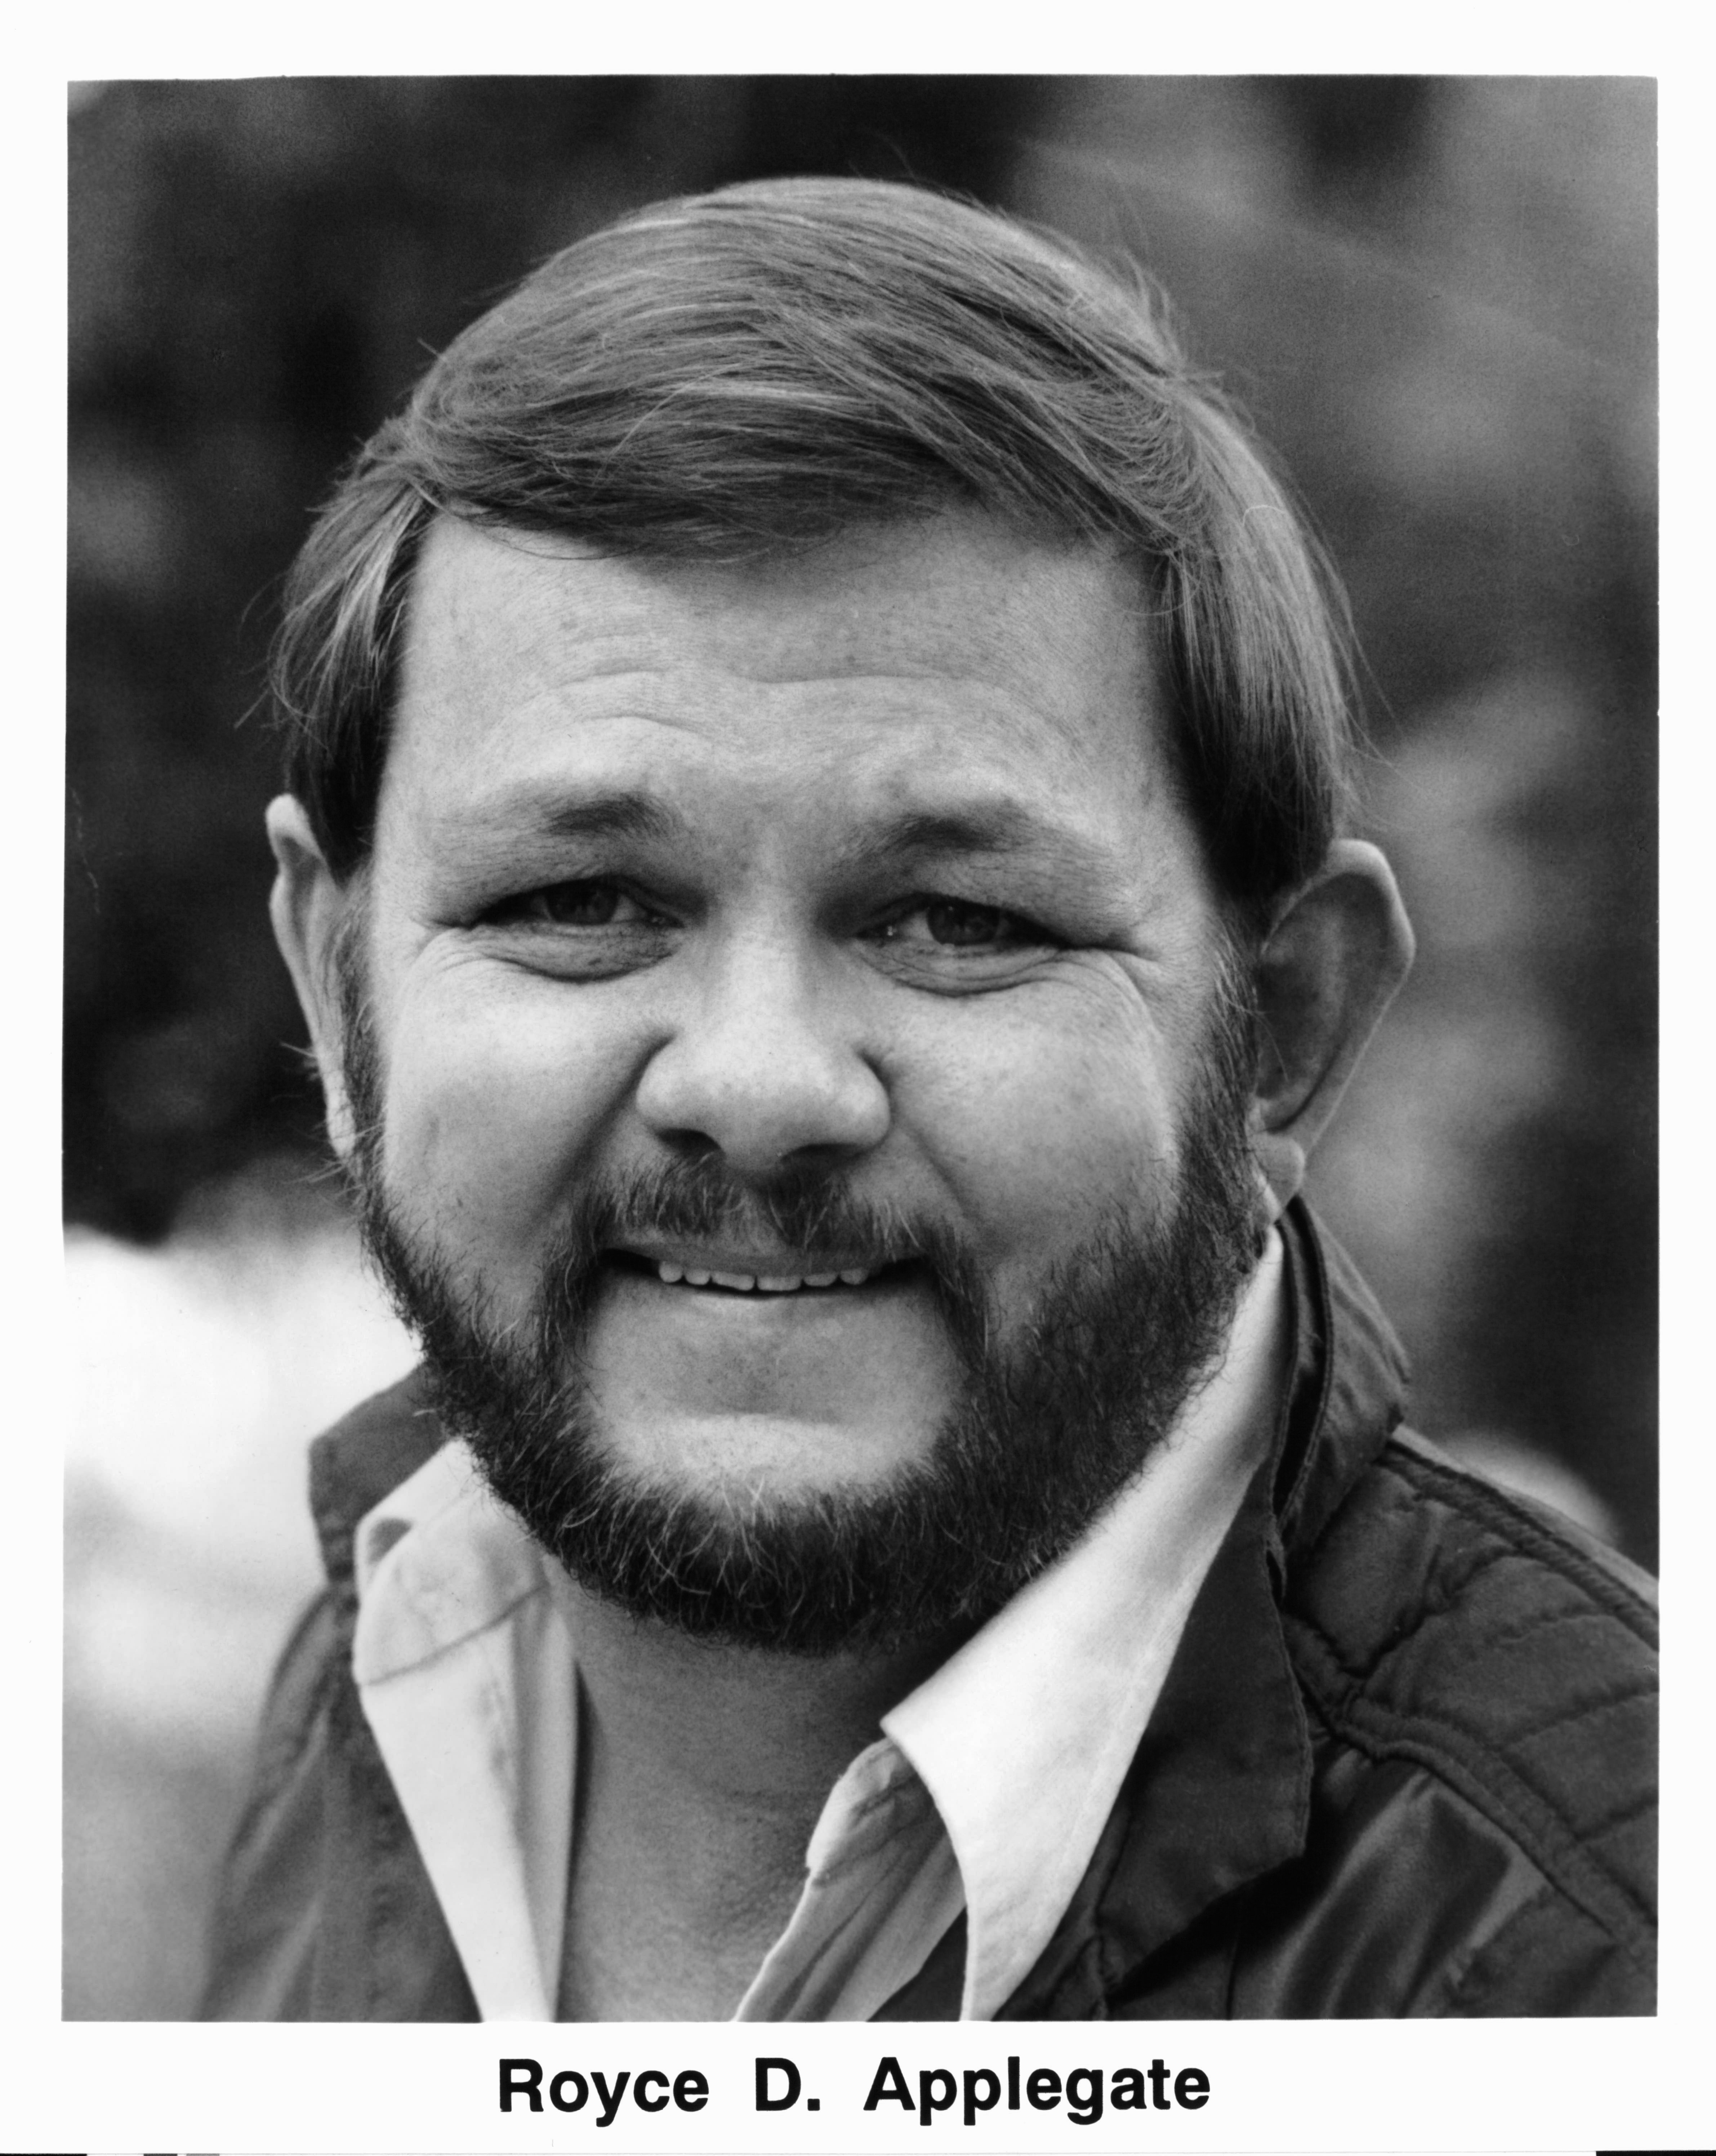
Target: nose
{"type": "Point", "coordinates": [767, 1069]}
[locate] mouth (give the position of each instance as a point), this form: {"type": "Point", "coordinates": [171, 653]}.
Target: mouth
{"type": "Point", "coordinates": [728, 1274]}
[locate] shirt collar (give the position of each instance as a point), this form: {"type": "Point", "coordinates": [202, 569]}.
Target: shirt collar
{"type": "Point", "coordinates": [438, 1561]}
{"type": "Point", "coordinates": [469, 1686]}
{"type": "Point", "coordinates": [1025, 1735]}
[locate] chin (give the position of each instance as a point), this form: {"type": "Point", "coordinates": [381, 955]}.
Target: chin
{"type": "Point", "coordinates": [759, 1456]}
{"type": "Point", "coordinates": [708, 1392]}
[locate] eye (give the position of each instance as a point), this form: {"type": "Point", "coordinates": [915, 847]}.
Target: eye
{"type": "Point", "coordinates": [938, 925]}
{"type": "Point", "coordinates": [589, 902]}
{"type": "Point", "coordinates": [952, 921]}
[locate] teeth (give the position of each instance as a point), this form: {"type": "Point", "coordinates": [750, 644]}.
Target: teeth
{"type": "Point", "coordinates": [771, 1283]}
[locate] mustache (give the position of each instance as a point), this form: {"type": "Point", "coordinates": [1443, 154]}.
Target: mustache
{"type": "Point", "coordinates": [809, 1211]}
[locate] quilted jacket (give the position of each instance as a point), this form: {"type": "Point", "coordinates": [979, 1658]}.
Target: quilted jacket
{"type": "Point", "coordinates": [1403, 1764]}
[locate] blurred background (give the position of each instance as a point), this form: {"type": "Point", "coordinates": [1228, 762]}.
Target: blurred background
{"type": "Point", "coordinates": [1435, 296]}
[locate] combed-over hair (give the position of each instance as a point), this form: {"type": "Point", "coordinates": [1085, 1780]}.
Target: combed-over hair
{"type": "Point", "coordinates": [731, 375]}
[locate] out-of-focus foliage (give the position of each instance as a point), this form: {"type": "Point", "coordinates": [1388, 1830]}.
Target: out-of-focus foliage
{"type": "Point", "coordinates": [1436, 297]}
{"type": "Point", "coordinates": [258, 271]}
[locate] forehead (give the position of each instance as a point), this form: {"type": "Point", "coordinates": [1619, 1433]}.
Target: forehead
{"type": "Point", "coordinates": [953, 655]}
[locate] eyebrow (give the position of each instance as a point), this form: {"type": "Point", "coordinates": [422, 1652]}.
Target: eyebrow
{"type": "Point", "coordinates": [622, 813]}
{"type": "Point", "coordinates": [996, 827]}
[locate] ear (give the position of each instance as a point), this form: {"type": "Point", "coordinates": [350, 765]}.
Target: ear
{"type": "Point", "coordinates": [309, 907]}
{"type": "Point", "coordinates": [1336, 955]}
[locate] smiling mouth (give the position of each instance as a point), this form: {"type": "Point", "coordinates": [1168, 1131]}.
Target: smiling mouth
{"type": "Point", "coordinates": [671, 1273]}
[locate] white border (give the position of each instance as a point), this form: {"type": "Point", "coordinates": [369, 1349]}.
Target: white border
{"type": "Point", "coordinates": [1322, 2086]}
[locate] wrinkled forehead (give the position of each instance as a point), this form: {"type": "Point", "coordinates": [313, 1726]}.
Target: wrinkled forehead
{"type": "Point", "coordinates": [954, 643]}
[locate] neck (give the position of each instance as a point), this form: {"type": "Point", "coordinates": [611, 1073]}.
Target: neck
{"type": "Point", "coordinates": [722, 1726]}
{"type": "Point", "coordinates": [702, 1771]}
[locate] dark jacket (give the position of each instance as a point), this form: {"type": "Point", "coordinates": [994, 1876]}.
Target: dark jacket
{"type": "Point", "coordinates": [1404, 1762]}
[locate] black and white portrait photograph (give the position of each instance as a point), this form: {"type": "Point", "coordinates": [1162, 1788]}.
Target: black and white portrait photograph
{"type": "Point", "coordinates": [859, 1060]}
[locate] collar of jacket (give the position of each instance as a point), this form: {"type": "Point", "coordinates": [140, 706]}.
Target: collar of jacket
{"type": "Point", "coordinates": [1218, 1794]}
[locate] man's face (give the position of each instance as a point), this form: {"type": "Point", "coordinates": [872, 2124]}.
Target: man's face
{"type": "Point", "coordinates": [813, 961]}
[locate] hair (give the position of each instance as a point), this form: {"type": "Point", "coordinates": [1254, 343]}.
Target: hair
{"type": "Point", "coordinates": [732, 376]}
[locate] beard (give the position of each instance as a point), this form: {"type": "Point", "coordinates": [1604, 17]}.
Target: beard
{"type": "Point", "coordinates": [1054, 1415]}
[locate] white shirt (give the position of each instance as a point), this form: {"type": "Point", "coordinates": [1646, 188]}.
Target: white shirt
{"type": "Point", "coordinates": [987, 1790]}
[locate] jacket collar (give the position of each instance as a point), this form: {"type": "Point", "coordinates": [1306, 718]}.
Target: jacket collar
{"type": "Point", "coordinates": [1219, 1791]}
{"type": "Point", "coordinates": [1350, 1386]}
{"type": "Point", "coordinates": [363, 1459]}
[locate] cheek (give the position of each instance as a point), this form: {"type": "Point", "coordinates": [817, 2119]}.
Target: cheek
{"type": "Point", "coordinates": [1040, 1128]}
{"type": "Point", "coordinates": [495, 1101]}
